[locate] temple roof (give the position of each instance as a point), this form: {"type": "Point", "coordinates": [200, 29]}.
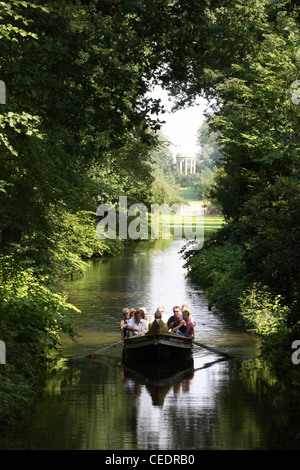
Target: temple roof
{"type": "Point", "coordinates": [184, 155]}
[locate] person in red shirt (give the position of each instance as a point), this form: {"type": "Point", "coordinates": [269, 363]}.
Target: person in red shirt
{"type": "Point", "coordinates": [189, 324]}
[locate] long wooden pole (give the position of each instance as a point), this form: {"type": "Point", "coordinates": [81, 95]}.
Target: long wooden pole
{"type": "Point", "coordinates": [107, 348]}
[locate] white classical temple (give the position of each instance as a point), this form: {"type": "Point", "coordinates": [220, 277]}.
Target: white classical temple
{"type": "Point", "coordinates": [185, 163]}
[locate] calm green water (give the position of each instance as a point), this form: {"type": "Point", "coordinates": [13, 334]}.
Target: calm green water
{"type": "Point", "coordinates": [98, 405]}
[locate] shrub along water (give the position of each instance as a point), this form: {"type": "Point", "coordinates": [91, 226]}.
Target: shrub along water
{"type": "Point", "coordinates": [34, 310]}
{"type": "Point", "coordinates": [221, 270]}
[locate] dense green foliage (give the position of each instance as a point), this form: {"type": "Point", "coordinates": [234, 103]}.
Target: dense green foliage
{"type": "Point", "coordinates": [209, 154]}
{"type": "Point", "coordinates": [164, 188]}
{"type": "Point", "coordinates": [74, 134]}
{"type": "Point", "coordinates": [252, 267]}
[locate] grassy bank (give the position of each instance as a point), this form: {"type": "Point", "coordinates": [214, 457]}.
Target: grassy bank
{"type": "Point", "coordinates": [180, 225]}
{"type": "Point", "coordinates": [190, 196]}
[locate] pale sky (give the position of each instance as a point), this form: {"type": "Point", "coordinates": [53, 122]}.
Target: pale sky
{"type": "Point", "coordinates": [181, 127]}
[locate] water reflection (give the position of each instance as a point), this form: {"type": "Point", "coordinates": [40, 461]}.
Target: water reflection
{"type": "Point", "coordinates": [149, 275]}
{"type": "Point", "coordinates": [156, 384]}
{"type": "Point", "coordinates": [212, 403]}
{"type": "Point", "coordinates": [216, 404]}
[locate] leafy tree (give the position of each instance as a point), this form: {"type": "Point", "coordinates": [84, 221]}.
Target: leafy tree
{"type": "Point", "coordinates": [210, 153]}
{"type": "Point", "coordinates": [258, 177]}
{"type": "Point", "coordinates": [73, 135]}
{"type": "Point", "coordinates": [164, 188]}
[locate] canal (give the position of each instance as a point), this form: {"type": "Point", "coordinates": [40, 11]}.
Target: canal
{"type": "Point", "coordinates": [98, 405]}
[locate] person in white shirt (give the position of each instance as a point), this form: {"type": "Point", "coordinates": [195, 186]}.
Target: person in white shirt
{"type": "Point", "coordinates": [136, 324]}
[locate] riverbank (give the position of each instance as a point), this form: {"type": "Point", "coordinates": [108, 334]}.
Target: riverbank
{"type": "Point", "coordinates": [221, 270]}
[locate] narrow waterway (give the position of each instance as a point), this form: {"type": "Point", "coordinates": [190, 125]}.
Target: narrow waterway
{"type": "Point", "coordinates": [98, 405]}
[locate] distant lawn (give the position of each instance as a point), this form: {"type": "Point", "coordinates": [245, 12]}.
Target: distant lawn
{"type": "Point", "coordinates": [211, 222]}
{"type": "Point", "coordinates": [180, 225]}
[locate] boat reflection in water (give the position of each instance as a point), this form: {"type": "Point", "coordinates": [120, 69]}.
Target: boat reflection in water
{"type": "Point", "coordinates": [156, 375]}
{"type": "Point", "coordinates": [158, 379]}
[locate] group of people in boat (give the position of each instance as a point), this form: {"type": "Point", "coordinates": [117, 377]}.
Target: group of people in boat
{"type": "Point", "coordinates": [134, 322]}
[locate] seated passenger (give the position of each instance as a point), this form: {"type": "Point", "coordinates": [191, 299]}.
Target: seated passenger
{"type": "Point", "coordinates": [144, 313]}
{"type": "Point", "coordinates": [158, 325]}
{"type": "Point", "coordinates": [132, 312]}
{"type": "Point", "coordinates": [136, 324]}
{"type": "Point", "coordinates": [186, 307]}
{"type": "Point", "coordinates": [176, 309]}
{"type": "Point", "coordinates": [124, 321]}
{"type": "Point", "coordinates": [178, 326]}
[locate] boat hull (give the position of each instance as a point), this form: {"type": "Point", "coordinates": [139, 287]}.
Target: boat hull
{"type": "Point", "coordinates": [157, 346]}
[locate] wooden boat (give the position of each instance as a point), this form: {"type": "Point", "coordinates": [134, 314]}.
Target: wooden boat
{"type": "Point", "coordinates": [157, 346]}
